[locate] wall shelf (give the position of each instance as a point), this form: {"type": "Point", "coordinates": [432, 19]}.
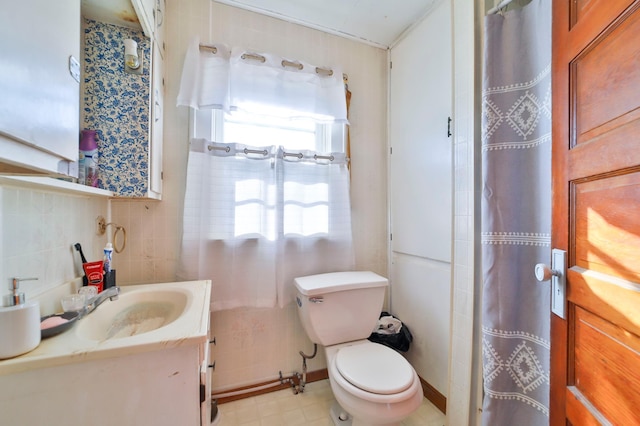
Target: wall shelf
{"type": "Point", "coordinates": [54, 185]}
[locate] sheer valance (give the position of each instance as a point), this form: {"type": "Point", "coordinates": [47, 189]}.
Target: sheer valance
{"type": "Point", "coordinates": [261, 83]}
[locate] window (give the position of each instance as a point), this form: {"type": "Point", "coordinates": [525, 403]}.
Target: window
{"type": "Point", "coordinates": [254, 193]}
{"type": "Point", "coordinates": [245, 128]}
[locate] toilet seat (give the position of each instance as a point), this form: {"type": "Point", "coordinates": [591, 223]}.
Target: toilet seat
{"type": "Point", "coordinates": [374, 368]}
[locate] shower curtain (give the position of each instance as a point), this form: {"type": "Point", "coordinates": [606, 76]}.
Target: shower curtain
{"type": "Point", "coordinates": [516, 214]}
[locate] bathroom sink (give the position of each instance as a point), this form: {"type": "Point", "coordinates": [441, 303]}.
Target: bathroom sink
{"type": "Point", "coordinates": [145, 318]}
{"type": "Point", "coordinates": [134, 313]}
{"type": "Point", "coordinates": [166, 355]}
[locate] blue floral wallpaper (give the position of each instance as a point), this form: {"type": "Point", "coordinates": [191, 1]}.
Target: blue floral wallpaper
{"type": "Point", "coordinates": [116, 105]}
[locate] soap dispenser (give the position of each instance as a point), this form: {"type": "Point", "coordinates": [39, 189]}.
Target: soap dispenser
{"type": "Point", "coordinates": [18, 297]}
{"type": "Point", "coordinates": [19, 323]}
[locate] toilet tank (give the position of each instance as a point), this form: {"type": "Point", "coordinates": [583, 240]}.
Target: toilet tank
{"type": "Point", "coordinates": [340, 307]}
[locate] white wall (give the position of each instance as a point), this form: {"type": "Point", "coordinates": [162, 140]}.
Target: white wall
{"type": "Point", "coordinates": [466, 229]}
{"type": "Point", "coordinates": [39, 229]}
{"type": "Point", "coordinates": [254, 344]}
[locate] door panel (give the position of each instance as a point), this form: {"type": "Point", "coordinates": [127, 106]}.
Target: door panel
{"type": "Point", "coordinates": [595, 373]}
{"type": "Point", "coordinates": [614, 299]}
{"type": "Point", "coordinates": [580, 8]}
{"type": "Point", "coordinates": [575, 400]}
{"type": "Point", "coordinates": [610, 64]}
{"type": "Point", "coordinates": [624, 153]}
{"type": "Point", "coordinates": [605, 367]}
{"type": "Point", "coordinates": [593, 15]}
{"type": "Point", "coordinates": [607, 230]}
{"type": "Point", "coordinates": [421, 162]}
{"type": "Point", "coordinates": [602, 125]}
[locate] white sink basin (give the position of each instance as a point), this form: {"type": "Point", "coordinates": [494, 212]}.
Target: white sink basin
{"type": "Point", "coordinates": [134, 313]}
{"type": "Point", "coordinates": [144, 319]}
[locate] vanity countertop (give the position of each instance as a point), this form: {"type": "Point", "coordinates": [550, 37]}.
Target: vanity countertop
{"type": "Point", "coordinates": [189, 328]}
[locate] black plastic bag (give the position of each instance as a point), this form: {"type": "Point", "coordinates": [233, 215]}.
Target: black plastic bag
{"type": "Point", "coordinates": [400, 341]}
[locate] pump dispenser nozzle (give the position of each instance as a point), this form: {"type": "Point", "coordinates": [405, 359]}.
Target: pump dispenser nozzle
{"type": "Point", "coordinates": [18, 297]}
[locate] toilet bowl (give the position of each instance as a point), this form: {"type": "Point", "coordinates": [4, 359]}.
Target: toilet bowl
{"type": "Point", "coordinates": [374, 384]}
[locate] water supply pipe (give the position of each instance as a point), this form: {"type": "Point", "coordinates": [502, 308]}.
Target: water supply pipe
{"type": "Point", "coordinates": [280, 380]}
{"type": "Point", "coordinates": [305, 357]}
{"type": "Point", "coordinates": [297, 388]}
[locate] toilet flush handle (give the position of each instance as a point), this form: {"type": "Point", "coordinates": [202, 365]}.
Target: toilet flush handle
{"type": "Point", "coordinates": [319, 299]}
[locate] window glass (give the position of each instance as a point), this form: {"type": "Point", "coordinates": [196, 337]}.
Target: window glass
{"type": "Point", "coordinates": [259, 130]}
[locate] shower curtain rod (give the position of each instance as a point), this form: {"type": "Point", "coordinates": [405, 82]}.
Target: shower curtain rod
{"type": "Point", "coordinates": [285, 63]}
{"type": "Point", "coordinates": [502, 4]}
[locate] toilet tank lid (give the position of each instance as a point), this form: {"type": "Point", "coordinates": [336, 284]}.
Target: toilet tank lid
{"type": "Point", "coordinates": [314, 285]}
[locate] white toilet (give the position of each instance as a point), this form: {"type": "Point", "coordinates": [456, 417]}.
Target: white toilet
{"type": "Point", "coordinates": [374, 384]}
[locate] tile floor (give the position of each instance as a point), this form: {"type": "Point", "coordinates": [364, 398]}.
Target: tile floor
{"type": "Point", "coordinates": [311, 408]}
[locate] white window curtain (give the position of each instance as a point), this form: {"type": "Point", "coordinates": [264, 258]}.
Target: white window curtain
{"type": "Point", "coordinates": [316, 218]}
{"type": "Point", "coordinates": [257, 217]}
{"type": "Point", "coordinates": [261, 83]}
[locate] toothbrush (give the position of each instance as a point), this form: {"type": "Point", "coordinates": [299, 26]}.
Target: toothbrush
{"type": "Point", "coordinates": [85, 280]}
{"type": "Point", "coordinates": [79, 248]}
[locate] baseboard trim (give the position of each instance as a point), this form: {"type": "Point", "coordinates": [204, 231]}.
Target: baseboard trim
{"type": "Point", "coordinates": [431, 393]}
{"type": "Point", "coordinates": [435, 397]}
{"type": "Point", "coordinates": [312, 376]}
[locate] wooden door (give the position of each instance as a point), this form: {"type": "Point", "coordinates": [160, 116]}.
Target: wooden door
{"type": "Point", "coordinates": [595, 368]}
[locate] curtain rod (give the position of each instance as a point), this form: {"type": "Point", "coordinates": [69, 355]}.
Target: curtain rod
{"type": "Point", "coordinates": [245, 151]}
{"type": "Point", "coordinates": [265, 152]}
{"type": "Point", "coordinates": [501, 5]}
{"type": "Point", "coordinates": [284, 63]}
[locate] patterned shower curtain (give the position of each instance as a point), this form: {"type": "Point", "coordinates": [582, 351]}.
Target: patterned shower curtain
{"type": "Point", "coordinates": [516, 214]}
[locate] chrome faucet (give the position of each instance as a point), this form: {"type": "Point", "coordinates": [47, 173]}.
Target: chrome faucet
{"type": "Point", "coordinates": [110, 293]}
